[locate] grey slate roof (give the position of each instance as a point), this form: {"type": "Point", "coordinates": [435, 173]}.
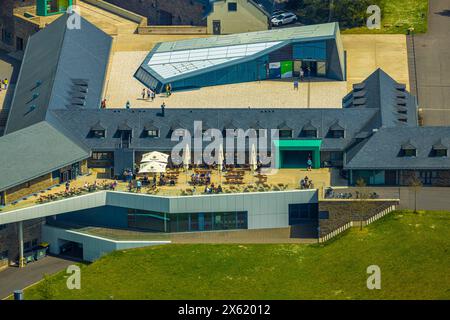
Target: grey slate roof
{"type": "Point", "coordinates": [34, 151]}
{"type": "Point", "coordinates": [58, 64]}
{"type": "Point", "coordinates": [380, 91]}
{"type": "Point", "coordinates": [75, 121]}
{"type": "Point", "coordinates": [382, 150]}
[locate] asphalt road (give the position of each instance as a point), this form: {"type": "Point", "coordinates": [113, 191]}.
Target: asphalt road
{"type": "Point", "coordinates": [432, 53]}
{"type": "Point", "coordinates": [16, 278]}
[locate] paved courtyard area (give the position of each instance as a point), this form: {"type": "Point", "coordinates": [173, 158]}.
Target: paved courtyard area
{"type": "Point", "coordinates": [123, 87]}
{"type": "Point", "coordinates": [365, 53]}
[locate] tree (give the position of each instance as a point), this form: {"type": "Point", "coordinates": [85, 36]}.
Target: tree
{"type": "Point", "coordinates": [415, 184]}
{"type": "Point", "coordinates": [361, 203]}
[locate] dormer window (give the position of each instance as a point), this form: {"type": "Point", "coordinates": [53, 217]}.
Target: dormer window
{"type": "Point", "coordinates": [336, 131]}
{"type": "Point", "coordinates": [284, 131]}
{"type": "Point", "coordinates": [309, 131]}
{"type": "Point", "coordinates": [439, 150]}
{"type": "Point", "coordinates": [97, 131]}
{"type": "Point", "coordinates": [153, 133]}
{"type": "Point", "coordinates": [150, 130]}
{"type": "Point", "coordinates": [408, 150]}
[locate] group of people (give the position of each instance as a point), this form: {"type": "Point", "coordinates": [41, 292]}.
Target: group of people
{"type": "Point", "coordinates": [201, 179]}
{"type": "Point", "coordinates": [306, 183]}
{"type": "Point", "coordinates": [150, 94]}
{"type": "Point", "coordinates": [209, 189]}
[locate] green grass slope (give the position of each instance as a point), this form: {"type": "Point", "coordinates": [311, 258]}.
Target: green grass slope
{"type": "Point", "coordinates": [398, 16]}
{"type": "Point", "coordinates": [412, 251]}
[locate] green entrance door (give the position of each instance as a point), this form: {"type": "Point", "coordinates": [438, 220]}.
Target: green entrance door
{"type": "Point", "coordinates": [295, 158]}
{"type": "Point", "coordinates": [295, 153]}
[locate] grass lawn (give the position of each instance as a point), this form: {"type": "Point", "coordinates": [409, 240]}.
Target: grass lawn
{"type": "Point", "coordinates": [412, 251]}
{"type": "Point", "coordinates": [399, 15]}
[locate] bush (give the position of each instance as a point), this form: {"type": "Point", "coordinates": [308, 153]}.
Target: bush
{"type": "Point", "coordinates": [349, 13]}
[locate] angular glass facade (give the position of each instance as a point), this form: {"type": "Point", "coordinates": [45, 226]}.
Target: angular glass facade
{"type": "Point", "coordinates": [186, 222]}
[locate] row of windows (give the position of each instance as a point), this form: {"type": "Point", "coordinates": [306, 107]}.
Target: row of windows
{"type": "Point", "coordinates": [154, 133]}
{"type": "Point", "coordinates": [186, 222]}
{"type": "Point", "coordinates": [433, 154]}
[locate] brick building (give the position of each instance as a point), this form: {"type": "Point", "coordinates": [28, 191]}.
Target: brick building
{"type": "Point", "coordinates": [174, 12]}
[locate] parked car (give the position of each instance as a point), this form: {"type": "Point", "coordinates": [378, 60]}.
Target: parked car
{"type": "Point", "coordinates": [277, 13]}
{"type": "Point", "coordinates": [284, 18]}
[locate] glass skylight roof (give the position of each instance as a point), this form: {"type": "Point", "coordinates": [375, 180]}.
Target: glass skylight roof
{"type": "Point", "coordinates": [171, 64]}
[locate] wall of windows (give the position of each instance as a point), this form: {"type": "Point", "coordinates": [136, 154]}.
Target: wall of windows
{"type": "Point", "coordinates": [186, 222]}
{"type": "Point", "coordinates": [300, 213]}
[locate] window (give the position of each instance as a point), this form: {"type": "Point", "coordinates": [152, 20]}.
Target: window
{"type": "Point", "coordinates": [409, 152]}
{"type": "Point", "coordinates": [309, 133]}
{"type": "Point", "coordinates": [232, 6]}
{"type": "Point", "coordinates": [299, 213]}
{"type": "Point", "coordinates": [285, 133]}
{"type": "Point", "coordinates": [4, 255]}
{"type": "Point", "coordinates": [439, 153]}
{"type": "Point", "coordinates": [185, 222]}
{"type": "Point", "coordinates": [102, 155]}
{"type": "Point", "coordinates": [337, 134]}
{"type": "Point", "coordinates": [98, 133]}
{"type": "Point", "coordinates": [153, 133]}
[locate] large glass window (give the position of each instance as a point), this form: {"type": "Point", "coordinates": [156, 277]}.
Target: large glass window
{"type": "Point", "coordinates": [302, 212]}
{"type": "Point", "coordinates": [185, 222]}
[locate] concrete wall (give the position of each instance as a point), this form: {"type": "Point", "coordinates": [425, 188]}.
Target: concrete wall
{"type": "Point", "coordinates": [93, 247]}
{"type": "Point", "coordinates": [247, 18]}
{"type": "Point", "coordinates": [265, 210]}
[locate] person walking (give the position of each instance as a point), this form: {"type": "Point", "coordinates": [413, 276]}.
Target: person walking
{"type": "Point", "coordinates": [6, 83]}
{"type": "Point", "coordinates": [302, 74]}
{"type": "Point", "coordinates": [296, 84]}
{"type": "Point", "coordinates": [128, 105]}
{"type": "Point", "coordinates": [143, 94]}
{"type": "Point", "coordinates": [152, 95]}
{"type": "Point", "coordinates": [309, 163]}
{"type": "Point", "coordinates": [103, 104]}
{"type": "Point", "coordinates": [149, 93]}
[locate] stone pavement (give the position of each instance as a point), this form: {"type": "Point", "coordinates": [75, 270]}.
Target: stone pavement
{"type": "Point", "coordinates": [122, 86]}
{"type": "Point", "coordinates": [366, 53]}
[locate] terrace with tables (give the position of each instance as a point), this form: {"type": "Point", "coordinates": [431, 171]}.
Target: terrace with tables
{"type": "Point", "coordinates": [178, 182]}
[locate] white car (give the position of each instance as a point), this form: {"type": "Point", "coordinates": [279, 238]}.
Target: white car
{"type": "Point", "coordinates": [284, 18]}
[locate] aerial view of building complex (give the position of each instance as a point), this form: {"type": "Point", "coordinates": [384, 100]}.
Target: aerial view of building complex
{"type": "Point", "coordinates": [224, 150]}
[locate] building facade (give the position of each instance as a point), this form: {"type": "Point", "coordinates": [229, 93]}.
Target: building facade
{"type": "Point", "coordinates": [283, 53]}
{"type": "Point", "coordinates": [173, 12]}
{"type": "Point", "coordinates": [238, 16]}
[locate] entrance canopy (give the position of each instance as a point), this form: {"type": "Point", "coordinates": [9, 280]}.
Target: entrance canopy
{"type": "Point", "coordinates": [295, 153]}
